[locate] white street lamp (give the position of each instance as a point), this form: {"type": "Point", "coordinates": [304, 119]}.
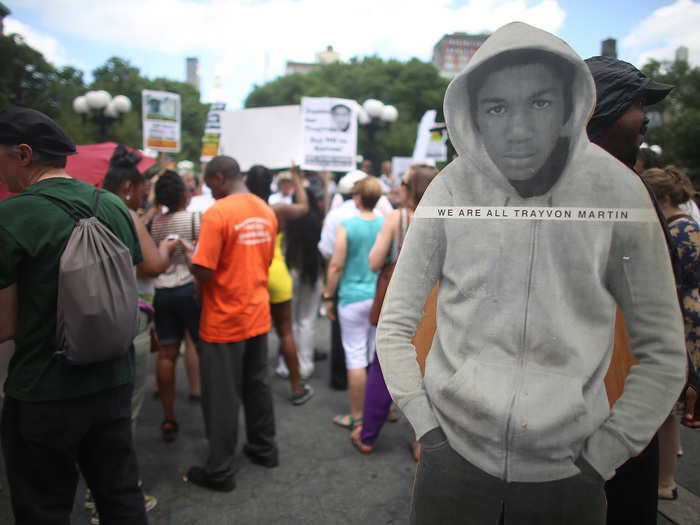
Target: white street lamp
{"type": "Point", "coordinates": [101, 108]}
{"type": "Point", "coordinates": [98, 99]}
{"type": "Point", "coordinates": [122, 104]}
{"type": "Point", "coordinates": [389, 114]}
{"type": "Point", "coordinates": [373, 107]}
{"type": "Point", "coordinates": [363, 117]}
{"type": "Point", "coordinates": [80, 105]}
{"type": "Point", "coordinates": [374, 114]}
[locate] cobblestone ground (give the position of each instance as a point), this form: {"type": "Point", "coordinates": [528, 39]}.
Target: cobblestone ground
{"type": "Point", "coordinates": [321, 479]}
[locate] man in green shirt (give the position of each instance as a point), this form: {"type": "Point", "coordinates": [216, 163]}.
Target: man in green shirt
{"type": "Point", "coordinates": [55, 414]}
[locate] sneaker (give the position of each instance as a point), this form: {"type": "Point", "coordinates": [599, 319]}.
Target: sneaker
{"type": "Point", "coordinates": [306, 393]}
{"type": "Point", "coordinates": [149, 502]}
{"type": "Point", "coordinates": [263, 461]}
{"type": "Point", "coordinates": [198, 476]}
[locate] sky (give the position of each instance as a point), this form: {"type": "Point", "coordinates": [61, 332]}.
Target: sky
{"type": "Point", "coordinates": [248, 42]}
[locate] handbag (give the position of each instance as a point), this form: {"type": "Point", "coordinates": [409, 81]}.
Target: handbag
{"type": "Point", "coordinates": [385, 275]}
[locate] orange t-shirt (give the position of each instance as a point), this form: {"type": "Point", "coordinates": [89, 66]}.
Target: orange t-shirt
{"type": "Point", "coordinates": [237, 241]}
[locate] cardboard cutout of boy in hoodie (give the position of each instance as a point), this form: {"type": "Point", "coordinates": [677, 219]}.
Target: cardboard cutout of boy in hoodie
{"type": "Point", "coordinates": [534, 236]}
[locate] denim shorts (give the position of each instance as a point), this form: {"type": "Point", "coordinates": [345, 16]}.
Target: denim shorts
{"type": "Point", "coordinates": [176, 311]}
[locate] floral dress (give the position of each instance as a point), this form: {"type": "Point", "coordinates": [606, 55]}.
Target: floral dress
{"type": "Point", "coordinates": [685, 235]}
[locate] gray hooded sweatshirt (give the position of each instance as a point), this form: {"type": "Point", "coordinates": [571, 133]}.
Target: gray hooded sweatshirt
{"type": "Point", "coordinates": [526, 307]}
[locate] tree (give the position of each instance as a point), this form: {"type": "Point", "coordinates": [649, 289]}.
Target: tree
{"type": "Point", "coordinates": [678, 134]}
{"type": "Point", "coordinates": [25, 76]}
{"type": "Point", "coordinates": [413, 87]}
{"type": "Point", "coordinates": [27, 79]}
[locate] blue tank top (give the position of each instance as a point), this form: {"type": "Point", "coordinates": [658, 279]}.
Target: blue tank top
{"type": "Point", "coordinates": [358, 282]}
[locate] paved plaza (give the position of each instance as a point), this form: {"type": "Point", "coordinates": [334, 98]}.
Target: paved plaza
{"type": "Point", "coordinates": [321, 479]}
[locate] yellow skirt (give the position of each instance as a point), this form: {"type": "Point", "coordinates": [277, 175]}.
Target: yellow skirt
{"type": "Point", "coordinates": [279, 282]}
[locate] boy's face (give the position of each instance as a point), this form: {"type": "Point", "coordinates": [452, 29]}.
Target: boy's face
{"type": "Point", "coordinates": [520, 112]}
{"type": "Point", "coordinates": [341, 117]}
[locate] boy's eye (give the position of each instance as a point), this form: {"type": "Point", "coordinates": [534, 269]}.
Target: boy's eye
{"type": "Point", "coordinates": [541, 103]}
{"type": "Point", "coordinates": [499, 109]}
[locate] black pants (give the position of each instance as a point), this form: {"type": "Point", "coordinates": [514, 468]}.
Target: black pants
{"type": "Point", "coordinates": [450, 490]}
{"type": "Point", "coordinates": [42, 443]}
{"type": "Point", "coordinates": [633, 492]}
{"type": "Point", "coordinates": [339, 374]}
{"type": "Point", "coordinates": [232, 373]}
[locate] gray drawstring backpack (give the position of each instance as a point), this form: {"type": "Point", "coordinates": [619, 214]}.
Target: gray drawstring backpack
{"type": "Point", "coordinates": [97, 306]}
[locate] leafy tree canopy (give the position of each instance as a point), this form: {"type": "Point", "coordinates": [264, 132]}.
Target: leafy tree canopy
{"type": "Point", "coordinates": [27, 79]}
{"type": "Point", "coordinates": [678, 135]}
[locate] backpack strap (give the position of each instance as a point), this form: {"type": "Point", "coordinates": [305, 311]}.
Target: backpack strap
{"type": "Point", "coordinates": [97, 201]}
{"type": "Point", "coordinates": [72, 213]}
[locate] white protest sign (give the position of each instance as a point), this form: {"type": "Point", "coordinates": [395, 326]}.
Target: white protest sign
{"type": "Point", "coordinates": [268, 136]}
{"type": "Point", "coordinates": [329, 133]}
{"type": "Point", "coordinates": [400, 165]}
{"type": "Point", "coordinates": [430, 145]}
{"type": "Point", "coordinates": [212, 132]}
{"type": "Point", "coordinates": [161, 120]}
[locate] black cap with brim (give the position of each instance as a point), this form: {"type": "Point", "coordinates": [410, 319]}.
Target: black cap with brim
{"type": "Point", "coordinates": [655, 92]}
{"type": "Point", "coordinates": [618, 84]}
{"type": "Point", "coordinates": [31, 127]}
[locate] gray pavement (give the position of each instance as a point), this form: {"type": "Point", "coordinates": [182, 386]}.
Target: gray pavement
{"type": "Point", "coordinates": [321, 479]}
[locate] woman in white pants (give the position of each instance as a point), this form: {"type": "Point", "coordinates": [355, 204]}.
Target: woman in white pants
{"type": "Point", "coordinates": [304, 263]}
{"type": "Point", "coordinates": [350, 276]}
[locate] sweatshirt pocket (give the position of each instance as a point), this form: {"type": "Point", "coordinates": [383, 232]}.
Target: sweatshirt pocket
{"type": "Point", "coordinates": [473, 402]}
{"type": "Point", "coordinates": [550, 419]}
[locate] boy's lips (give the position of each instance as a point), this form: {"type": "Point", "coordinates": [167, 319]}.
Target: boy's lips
{"type": "Point", "coordinates": [519, 156]}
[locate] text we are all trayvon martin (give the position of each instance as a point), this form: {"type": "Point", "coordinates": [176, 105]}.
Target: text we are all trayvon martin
{"type": "Point", "coordinates": [537, 213]}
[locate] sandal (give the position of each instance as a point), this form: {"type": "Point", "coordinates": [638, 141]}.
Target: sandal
{"type": "Point", "coordinates": [347, 421]}
{"type": "Point", "coordinates": [668, 493]}
{"type": "Point", "coordinates": [393, 415]}
{"type": "Point", "coordinates": [169, 429]}
{"type": "Point", "coordinates": [355, 437]}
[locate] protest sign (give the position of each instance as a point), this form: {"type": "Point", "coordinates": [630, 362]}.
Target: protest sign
{"type": "Point", "coordinates": [268, 136]}
{"type": "Point", "coordinates": [328, 133]}
{"type": "Point", "coordinates": [399, 166]}
{"type": "Point", "coordinates": [212, 132]}
{"type": "Point", "coordinates": [430, 142]}
{"type": "Point", "coordinates": [161, 120]}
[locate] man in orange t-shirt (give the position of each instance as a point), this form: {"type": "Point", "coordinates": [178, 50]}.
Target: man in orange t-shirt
{"type": "Point", "coordinates": [231, 263]}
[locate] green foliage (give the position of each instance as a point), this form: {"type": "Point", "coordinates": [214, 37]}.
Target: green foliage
{"type": "Point", "coordinates": [413, 87]}
{"type": "Point", "coordinates": [678, 134]}
{"type": "Point", "coordinates": [27, 79]}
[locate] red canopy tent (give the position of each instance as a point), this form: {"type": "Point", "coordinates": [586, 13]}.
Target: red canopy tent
{"type": "Point", "coordinates": [90, 164]}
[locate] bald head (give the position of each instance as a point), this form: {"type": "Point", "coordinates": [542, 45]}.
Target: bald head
{"type": "Point", "coordinates": [225, 165]}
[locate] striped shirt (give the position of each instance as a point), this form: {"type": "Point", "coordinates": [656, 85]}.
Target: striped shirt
{"type": "Point", "coordinates": [185, 224]}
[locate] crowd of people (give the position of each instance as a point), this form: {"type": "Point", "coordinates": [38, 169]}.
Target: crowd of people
{"type": "Point", "coordinates": [537, 361]}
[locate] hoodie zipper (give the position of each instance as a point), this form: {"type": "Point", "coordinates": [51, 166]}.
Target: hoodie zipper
{"type": "Point", "coordinates": [522, 356]}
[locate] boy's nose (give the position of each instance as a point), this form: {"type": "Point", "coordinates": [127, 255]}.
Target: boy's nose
{"type": "Point", "coordinates": [520, 126]}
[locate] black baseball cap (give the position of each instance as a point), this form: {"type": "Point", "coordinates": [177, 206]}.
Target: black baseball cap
{"type": "Point", "coordinates": [31, 127]}
{"type": "Point", "coordinates": [618, 84]}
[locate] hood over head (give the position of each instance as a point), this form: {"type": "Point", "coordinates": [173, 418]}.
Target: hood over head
{"type": "Point", "coordinates": [545, 129]}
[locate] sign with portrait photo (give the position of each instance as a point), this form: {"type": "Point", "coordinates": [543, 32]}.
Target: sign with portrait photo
{"type": "Point", "coordinates": [161, 120]}
{"type": "Point", "coordinates": [329, 133]}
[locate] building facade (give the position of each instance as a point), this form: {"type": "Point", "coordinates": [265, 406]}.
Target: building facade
{"type": "Point", "coordinates": [328, 56]}
{"type": "Point", "coordinates": [452, 52]}
{"type": "Point", "coordinates": [608, 48]}
{"type": "Point", "coordinates": [193, 71]}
